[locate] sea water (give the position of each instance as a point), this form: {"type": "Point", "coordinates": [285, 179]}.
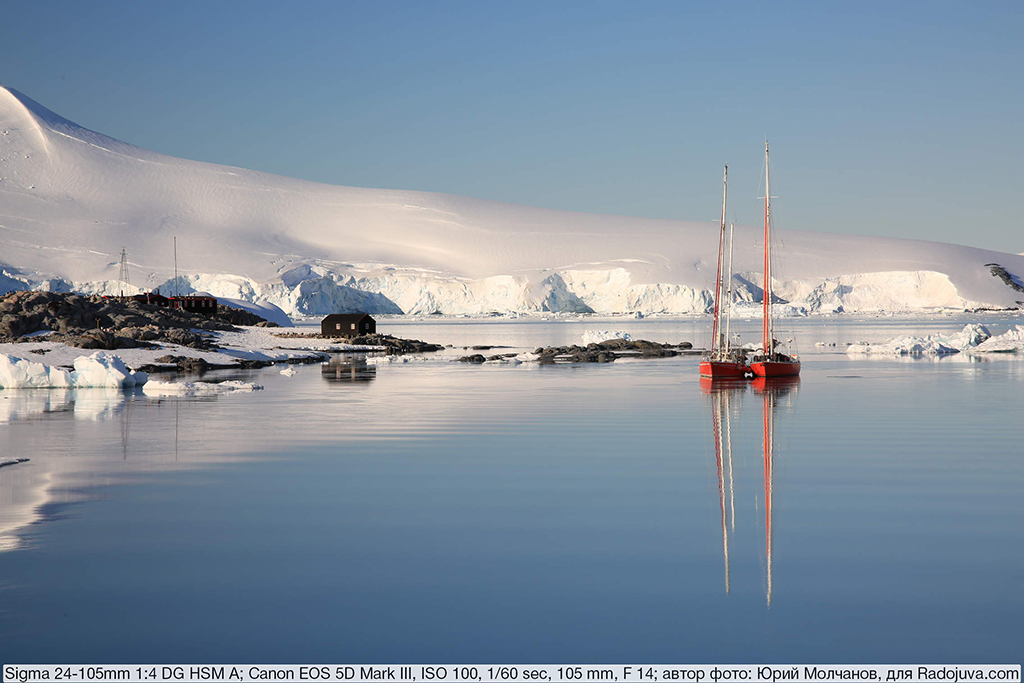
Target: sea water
{"type": "Point", "coordinates": [446, 512]}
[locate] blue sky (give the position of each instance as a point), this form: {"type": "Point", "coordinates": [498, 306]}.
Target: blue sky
{"type": "Point", "coordinates": [886, 118]}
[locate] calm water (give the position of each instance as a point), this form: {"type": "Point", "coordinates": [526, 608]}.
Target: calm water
{"type": "Point", "coordinates": [453, 513]}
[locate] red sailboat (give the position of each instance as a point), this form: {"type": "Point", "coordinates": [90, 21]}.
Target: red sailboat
{"type": "Point", "coordinates": [770, 362]}
{"type": "Point", "coordinates": [721, 361]}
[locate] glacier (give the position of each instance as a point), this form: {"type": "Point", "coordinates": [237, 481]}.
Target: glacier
{"type": "Point", "coordinates": [73, 198]}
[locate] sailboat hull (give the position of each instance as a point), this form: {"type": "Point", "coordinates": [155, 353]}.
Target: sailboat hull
{"type": "Point", "coordinates": [774, 368]}
{"type": "Point", "coordinates": [716, 369]}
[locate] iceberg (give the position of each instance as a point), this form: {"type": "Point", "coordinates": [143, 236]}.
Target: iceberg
{"type": "Point", "coordinates": [598, 336]}
{"type": "Point", "coordinates": [972, 336]}
{"type": "Point", "coordinates": [97, 370]}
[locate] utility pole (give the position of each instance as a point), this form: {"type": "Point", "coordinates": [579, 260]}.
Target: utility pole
{"type": "Point", "coordinates": [123, 275]}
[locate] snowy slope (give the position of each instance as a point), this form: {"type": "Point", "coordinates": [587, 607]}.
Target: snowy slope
{"type": "Point", "coordinates": [71, 198]}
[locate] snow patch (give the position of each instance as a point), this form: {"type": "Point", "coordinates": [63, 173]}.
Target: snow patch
{"type": "Point", "coordinates": [264, 309]}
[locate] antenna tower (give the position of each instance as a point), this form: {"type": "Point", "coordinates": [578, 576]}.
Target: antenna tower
{"type": "Point", "coordinates": [175, 266]}
{"type": "Point", "coordinates": [123, 275]}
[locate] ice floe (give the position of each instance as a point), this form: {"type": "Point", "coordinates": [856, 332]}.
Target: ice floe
{"type": "Point", "coordinates": [967, 339]}
{"type": "Point", "coordinates": [597, 336]}
{"type": "Point", "coordinates": [1010, 342]}
{"type": "Point", "coordinates": [97, 370]}
{"type": "Point", "coordinates": [154, 388]}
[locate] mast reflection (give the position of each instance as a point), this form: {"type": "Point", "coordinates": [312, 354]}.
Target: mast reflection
{"type": "Point", "coordinates": [771, 390]}
{"type": "Point", "coordinates": [724, 398]}
{"type": "Point", "coordinates": [722, 393]}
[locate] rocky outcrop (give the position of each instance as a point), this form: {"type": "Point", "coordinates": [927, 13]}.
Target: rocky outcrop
{"type": "Point", "coordinates": [608, 351]}
{"type": "Point", "coordinates": [393, 344]}
{"type": "Point", "coordinates": [94, 322]}
{"type": "Point", "coordinates": [1006, 276]}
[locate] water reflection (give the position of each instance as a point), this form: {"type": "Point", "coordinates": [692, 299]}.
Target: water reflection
{"type": "Point", "coordinates": [723, 393]}
{"type": "Point", "coordinates": [78, 450]}
{"type": "Point", "coordinates": [94, 405]}
{"type": "Point", "coordinates": [724, 396]}
{"type": "Point", "coordinates": [348, 367]}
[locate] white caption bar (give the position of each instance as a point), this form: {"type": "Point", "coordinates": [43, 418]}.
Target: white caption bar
{"type": "Point", "coordinates": [504, 673]}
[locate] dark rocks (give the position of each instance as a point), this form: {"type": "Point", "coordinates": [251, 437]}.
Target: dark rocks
{"type": "Point", "coordinates": [110, 323]}
{"type": "Point", "coordinates": [608, 351]}
{"type": "Point", "coordinates": [12, 326]}
{"type": "Point", "coordinates": [393, 345]}
{"type": "Point", "coordinates": [480, 358]}
{"type": "Point", "coordinates": [95, 339]}
{"type": "Point", "coordinates": [184, 363]}
{"type": "Point", "coordinates": [1007, 277]}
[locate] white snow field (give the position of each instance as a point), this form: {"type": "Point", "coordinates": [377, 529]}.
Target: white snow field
{"type": "Point", "coordinates": [71, 198]}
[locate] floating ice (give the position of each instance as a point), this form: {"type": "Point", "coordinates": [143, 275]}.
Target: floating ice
{"type": "Point", "coordinates": [1009, 342]}
{"type": "Point", "coordinates": [933, 345]}
{"type": "Point", "coordinates": [597, 336]}
{"type": "Point", "coordinates": [155, 388]}
{"type": "Point", "coordinates": [394, 358]}
{"type": "Point", "coordinates": [18, 373]}
{"type": "Point", "coordinates": [98, 370]}
{"type": "Point", "coordinates": [105, 370]}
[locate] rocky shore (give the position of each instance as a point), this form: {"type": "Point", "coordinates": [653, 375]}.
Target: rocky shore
{"type": "Point", "coordinates": [94, 322]}
{"type": "Point", "coordinates": [598, 352]}
{"type": "Point", "coordinates": [392, 345]}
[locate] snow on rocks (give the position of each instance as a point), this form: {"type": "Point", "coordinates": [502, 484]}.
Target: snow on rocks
{"type": "Point", "coordinates": [155, 388]}
{"type": "Point", "coordinates": [98, 370]}
{"type": "Point", "coordinates": [598, 336]}
{"type": "Point", "coordinates": [932, 345]}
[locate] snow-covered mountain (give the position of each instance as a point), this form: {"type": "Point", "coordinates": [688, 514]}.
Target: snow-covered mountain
{"type": "Point", "coordinates": [71, 198]}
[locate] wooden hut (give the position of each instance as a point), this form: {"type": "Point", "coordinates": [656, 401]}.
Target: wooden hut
{"type": "Point", "coordinates": [347, 325]}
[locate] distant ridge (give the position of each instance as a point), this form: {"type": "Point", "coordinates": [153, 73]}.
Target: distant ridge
{"type": "Point", "coordinates": [71, 198]}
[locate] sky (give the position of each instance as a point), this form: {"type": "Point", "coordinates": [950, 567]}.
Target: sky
{"type": "Point", "coordinates": [903, 119]}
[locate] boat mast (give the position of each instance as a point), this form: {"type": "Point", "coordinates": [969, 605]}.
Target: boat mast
{"type": "Point", "coordinates": [728, 293]}
{"type": "Point", "coordinates": [766, 322]}
{"type": "Point", "coordinates": [716, 341]}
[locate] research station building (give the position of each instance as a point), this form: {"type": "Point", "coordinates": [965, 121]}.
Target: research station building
{"type": "Point", "coordinates": [348, 325]}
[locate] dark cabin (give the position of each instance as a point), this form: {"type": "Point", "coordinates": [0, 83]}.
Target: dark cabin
{"type": "Point", "coordinates": [348, 325]}
{"type": "Point", "coordinates": [206, 305]}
